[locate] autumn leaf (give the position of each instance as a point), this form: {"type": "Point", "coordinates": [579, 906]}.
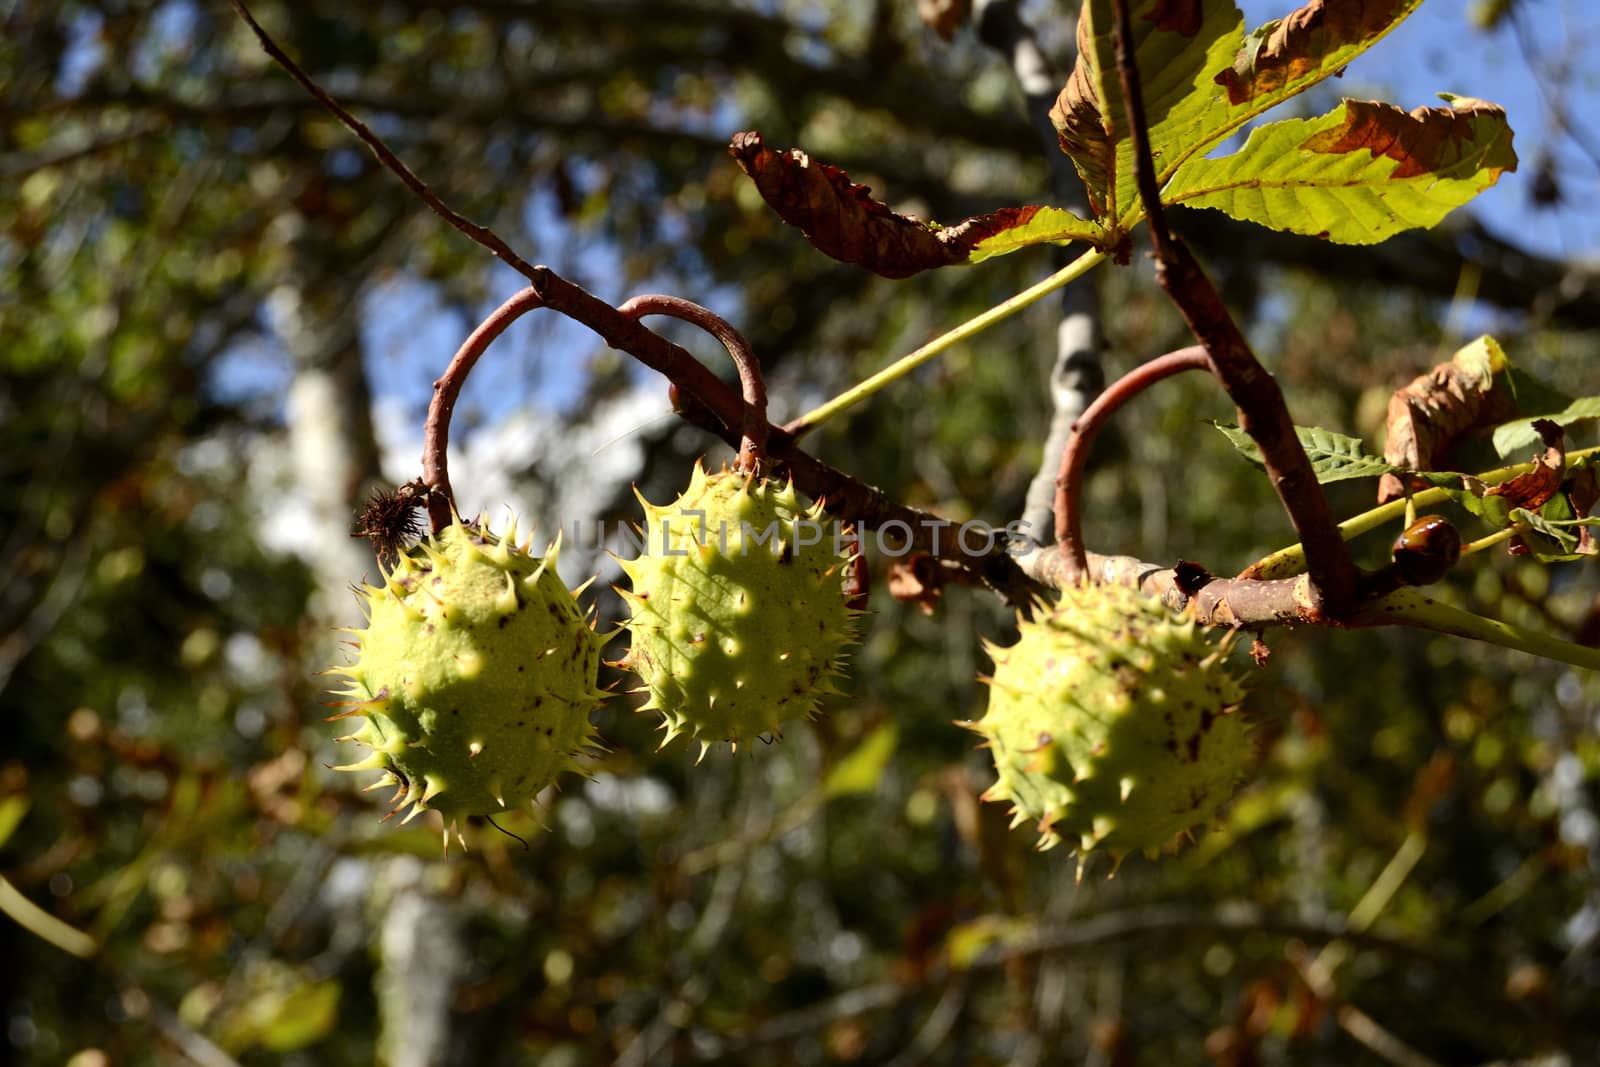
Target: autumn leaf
{"type": "Point", "coordinates": [1288, 54]}
{"type": "Point", "coordinates": [916, 580]}
{"type": "Point", "coordinates": [1531, 489]}
{"type": "Point", "coordinates": [842, 219]}
{"type": "Point", "coordinates": [1186, 49]}
{"type": "Point", "coordinates": [1357, 175]}
{"type": "Point", "coordinates": [1436, 410]}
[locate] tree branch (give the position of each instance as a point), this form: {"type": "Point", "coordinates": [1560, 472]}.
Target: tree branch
{"type": "Point", "coordinates": [1069, 526]}
{"type": "Point", "coordinates": [753, 422]}
{"type": "Point", "coordinates": [481, 234]}
{"type": "Point", "coordinates": [1262, 411]}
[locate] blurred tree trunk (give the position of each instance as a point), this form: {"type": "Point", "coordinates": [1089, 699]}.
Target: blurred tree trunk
{"type": "Point", "coordinates": [329, 411]}
{"type": "Point", "coordinates": [336, 463]}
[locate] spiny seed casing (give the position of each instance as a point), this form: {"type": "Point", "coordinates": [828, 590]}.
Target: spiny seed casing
{"type": "Point", "coordinates": [476, 674]}
{"type": "Point", "coordinates": [1113, 723]}
{"type": "Point", "coordinates": [738, 614]}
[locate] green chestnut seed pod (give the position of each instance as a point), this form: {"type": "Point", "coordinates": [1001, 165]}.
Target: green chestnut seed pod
{"type": "Point", "coordinates": [1114, 723]}
{"type": "Point", "coordinates": [476, 674]}
{"type": "Point", "coordinates": [739, 619]}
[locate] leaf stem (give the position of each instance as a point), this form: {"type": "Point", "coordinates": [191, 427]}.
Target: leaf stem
{"type": "Point", "coordinates": [1489, 541]}
{"type": "Point", "coordinates": [1410, 608]}
{"type": "Point", "coordinates": [436, 431]}
{"type": "Point", "coordinates": [1263, 413]}
{"type": "Point", "coordinates": [1291, 560]}
{"type": "Point", "coordinates": [973, 326]}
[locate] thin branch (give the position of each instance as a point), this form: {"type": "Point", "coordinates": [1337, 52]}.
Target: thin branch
{"type": "Point", "coordinates": [1586, 141]}
{"type": "Point", "coordinates": [701, 389]}
{"type": "Point", "coordinates": [1113, 927]}
{"type": "Point", "coordinates": [1069, 525]}
{"type": "Point", "coordinates": [481, 234]}
{"type": "Point", "coordinates": [1262, 411]}
{"type": "Point", "coordinates": [1355, 1022]}
{"type": "Point", "coordinates": [753, 423]}
{"type": "Point", "coordinates": [436, 431]}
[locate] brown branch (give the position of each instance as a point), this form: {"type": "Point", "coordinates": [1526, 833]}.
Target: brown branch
{"type": "Point", "coordinates": [436, 431]}
{"type": "Point", "coordinates": [1262, 411]}
{"type": "Point", "coordinates": [753, 422]}
{"type": "Point", "coordinates": [481, 234]}
{"type": "Point", "coordinates": [706, 400]}
{"type": "Point", "coordinates": [1069, 525]}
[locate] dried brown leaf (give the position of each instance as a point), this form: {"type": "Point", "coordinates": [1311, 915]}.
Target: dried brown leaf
{"type": "Point", "coordinates": [1532, 489]}
{"type": "Point", "coordinates": [1436, 410]}
{"type": "Point", "coordinates": [918, 579]}
{"type": "Point", "coordinates": [842, 219]}
{"type": "Point", "coordinates": [1081, 129]}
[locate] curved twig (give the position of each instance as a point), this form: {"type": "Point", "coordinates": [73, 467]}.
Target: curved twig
{"type": "Point", "coordinates": [753, 424]}
{"type": "Point", "coordinates": [436, 432]}
{"type": "Point", "coordinates": [1069, 527]}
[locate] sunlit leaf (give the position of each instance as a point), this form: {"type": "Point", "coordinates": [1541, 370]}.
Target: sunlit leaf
{"type": "Point", "coordinates": [12, 809]}
{"type": "Point", "coordinates": [1357, 175]}
{"type": "Point", "coordinates": [1334, 456]}
{"type": "Point", "coordinates": [1201, 77]}
{"type": "Point", "coordinates": [967, 943]}
{"type": "Point", "coordinates": [1515, 436]}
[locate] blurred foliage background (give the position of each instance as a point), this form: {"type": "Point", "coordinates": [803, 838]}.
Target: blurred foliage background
{"type": "Point", "coordinates": [218, 324]}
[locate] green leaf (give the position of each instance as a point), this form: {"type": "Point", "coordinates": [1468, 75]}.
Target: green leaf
{"type": "Point", "coordinates": [1334, 457]}
{"type": "Point", "coordinates": [1533, 520]}
{"type": "Point", "coordinates": [1202, 78]}
{"type": "Point", "coordinates": [860, 770]}
{"type": "Point", "coordinates": [1357, 175]}
{"type": "Point", "coordinates": [1023, 227]}
{"type": "Point", "coordinates": [1516, 436]}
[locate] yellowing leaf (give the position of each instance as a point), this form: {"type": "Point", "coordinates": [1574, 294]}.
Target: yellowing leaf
{"type": "Point", "coordinates": [1357, 175]}
{"type": "Point", "coordinates": [968, 942]}
{"type": "Point", "coordinates": [860, 770]}
{"type": "Point", "coordinates": [12, 809]}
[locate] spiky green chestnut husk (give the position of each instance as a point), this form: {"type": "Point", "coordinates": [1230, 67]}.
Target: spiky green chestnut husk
{"type": "Point", "coordinates": [738, 615]}
{"type": "Point", "coordinates": [1114, 723]}
{"type": "Point", "coordinates": [475, 673]}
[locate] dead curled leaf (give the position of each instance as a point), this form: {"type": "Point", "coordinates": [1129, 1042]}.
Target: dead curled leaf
{"type": "Point", "coordinates": [1428, 417]}
{"type": "Point", "coordinates": [1082, 130]}
{"type": "Point", "coordinates": [842, 219]}
{"type": "Point", "coordinates": [1532, 489]}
